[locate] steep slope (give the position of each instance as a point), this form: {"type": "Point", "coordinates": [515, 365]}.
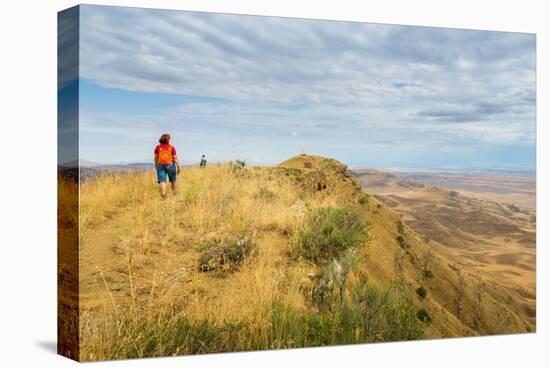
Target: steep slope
{"type": "Point", "coordinates": [464, 298]}
{"type": "Point", "coordinates": [490, 246]}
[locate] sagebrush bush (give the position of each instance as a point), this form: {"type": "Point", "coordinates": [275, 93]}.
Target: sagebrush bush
{"type": "Point", "coordinates": [224, 255]}
{"type": "Point", "coordinates": [327, 232]}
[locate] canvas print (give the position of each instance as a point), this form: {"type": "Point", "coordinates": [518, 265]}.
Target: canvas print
{"type": "Point", "coordinates": [239, 183]}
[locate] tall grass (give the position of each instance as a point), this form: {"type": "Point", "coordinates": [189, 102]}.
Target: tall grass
{"type": "Point", "coordinates": [369, 315]}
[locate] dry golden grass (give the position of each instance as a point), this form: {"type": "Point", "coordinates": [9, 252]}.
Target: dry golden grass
{"type": "Point", "coordinates": [142, 291]}
{"type": "Point", "coordinates": [132, 240]}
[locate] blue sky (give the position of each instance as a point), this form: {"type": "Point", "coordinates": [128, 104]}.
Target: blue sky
{"type": "Point", "coordinates": [264, 88]}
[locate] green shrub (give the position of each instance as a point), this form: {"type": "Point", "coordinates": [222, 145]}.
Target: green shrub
{"type": "Point", "coordinates": [224, 255]}
{"type": "Point", "coordinates": [364, 200]}
{"type": "Point", "coordinates": [328, 232]}
{"type": "Point", "coordinates": [421, 292]}
{"type": "Point", "coordinates": [424, 316]}
{"type": "Point", "coordinates": [371, 314]}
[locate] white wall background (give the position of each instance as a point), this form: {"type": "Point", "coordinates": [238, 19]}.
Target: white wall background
{"type": "Point", "coordinates": [28, 187]}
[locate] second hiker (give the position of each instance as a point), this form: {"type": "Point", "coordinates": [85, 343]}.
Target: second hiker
{"type": "Point", "coordinates": [203, 161]}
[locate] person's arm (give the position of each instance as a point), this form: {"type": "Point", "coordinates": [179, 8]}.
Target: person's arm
{"type": "Point", "coordinates": [156, 152]}
{"type": "Point", "coordinates": [177, 162]}
{"type": "Point", "coordinates": [175, 158]}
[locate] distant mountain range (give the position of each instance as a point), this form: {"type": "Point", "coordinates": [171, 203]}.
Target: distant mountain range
{"type": "Point", "coordinates": [84, 163]}
{"type": "Point", "coordinates": [475, 171]}
{"type": "Point", "coordinates": [86, 169]}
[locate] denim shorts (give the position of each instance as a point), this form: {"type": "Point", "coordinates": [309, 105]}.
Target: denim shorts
{"type": "Point", "coordinates": [166, 170]}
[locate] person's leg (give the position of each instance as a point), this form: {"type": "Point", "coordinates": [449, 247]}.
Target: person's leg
{"type": "Point", "coordinates": [161, 179]}
{"type": "Point", "coordinates": [172, 175]}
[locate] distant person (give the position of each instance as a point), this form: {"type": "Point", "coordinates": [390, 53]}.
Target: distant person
{"type": "Point", "coordinates": [203, 161]}
{"type": "Point", "coordinates": [166, 163]}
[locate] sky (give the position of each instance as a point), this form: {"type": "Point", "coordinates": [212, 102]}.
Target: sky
{"type": "Point", "coordinates": [264, 89]}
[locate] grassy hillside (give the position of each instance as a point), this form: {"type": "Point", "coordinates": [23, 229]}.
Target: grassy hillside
{"type": "Point", "coordinates": [246, 258]}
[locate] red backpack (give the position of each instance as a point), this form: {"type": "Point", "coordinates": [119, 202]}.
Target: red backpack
{"type": "Point", "coordinates": [165, 156]}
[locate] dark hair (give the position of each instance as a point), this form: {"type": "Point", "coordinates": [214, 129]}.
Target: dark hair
{"type": "Point", "coordinates": [164, 139]}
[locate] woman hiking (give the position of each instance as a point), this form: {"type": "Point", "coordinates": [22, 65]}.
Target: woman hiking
{"type": "Point", "coordinates": [166, 163]}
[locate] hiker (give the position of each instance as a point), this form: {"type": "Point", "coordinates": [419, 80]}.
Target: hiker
{"type": "Point", "coordinates": [166, 164]}
{"type": "Point", "coordinates": [203, 161]}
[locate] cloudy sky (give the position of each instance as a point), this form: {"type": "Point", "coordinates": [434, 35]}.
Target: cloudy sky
{"type": "Point", "coordinates": [265, 88]}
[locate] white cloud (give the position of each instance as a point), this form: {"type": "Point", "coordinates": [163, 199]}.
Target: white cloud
{"type": "Point", "coordinates": [318, 78]}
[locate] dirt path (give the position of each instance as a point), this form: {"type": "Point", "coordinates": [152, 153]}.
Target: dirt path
{"type": "Point", "coordinates": [133, 264]}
